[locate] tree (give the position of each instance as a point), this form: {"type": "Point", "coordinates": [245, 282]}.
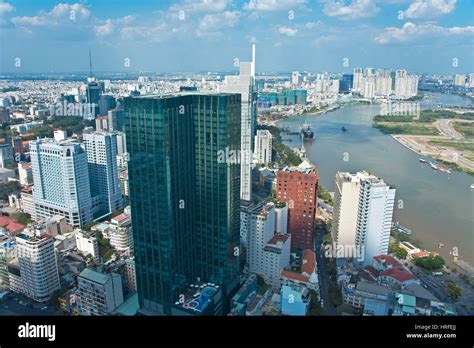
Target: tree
{"type": "Point", "coordinates": [315, 306]}
{"type": "Point", "coordinates": [398, 251]}
{"type": "Point", "coordinates": [24, 218]}
{"type": "Point", "coordinates": [325, 196]}
{"type": "Point", "coordinates": [430, 263]}
{"type": "Point", "coordinates": [108, 255]}
{"type": "Point", "coordinates": [454, 291]}
{"type": "Point", "coordinates": [335, 296]}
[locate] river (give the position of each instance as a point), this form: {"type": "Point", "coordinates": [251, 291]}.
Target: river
{"type": "Point", "coordinates": [437, 207]}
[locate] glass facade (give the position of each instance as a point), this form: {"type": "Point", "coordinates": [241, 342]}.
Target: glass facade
{"type": "Point", "coordinates": [184, 199]}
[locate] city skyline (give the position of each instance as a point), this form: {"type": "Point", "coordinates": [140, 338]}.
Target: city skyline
{"type": "Point", "coordinates": [174, 176]}
{"type": "Point", "coordinates": [159, 37]}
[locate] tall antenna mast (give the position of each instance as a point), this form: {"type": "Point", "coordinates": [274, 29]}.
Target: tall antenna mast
{"type": "Point", "coordinates": [90, 63]}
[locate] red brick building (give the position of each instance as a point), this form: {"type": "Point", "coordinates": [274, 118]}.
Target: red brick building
{"type": "Point", "coordinates": [298, 187]}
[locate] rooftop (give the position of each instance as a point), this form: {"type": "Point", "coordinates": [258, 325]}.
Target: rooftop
{"type": "Point", "coordinates": [308, 262]}
{"type": "Point", "coordinates": [387, 260]}
{"type": "Point", "coordinates": [129, 307]}
{"type": "Point", "coordinates": [94, 276]}
{"type": "Point", "coordinates": [418, 291]}
{"type": "Point", "coordinates": [197, 296]}
{"type": "Point", "coordinates": [276, 243]}
{"type": "Point", "coordinates": [179, 94]}
{"type": "Point", "coordinates": [372, 288]}
{"type": "Point", "coordinates": [398, 273]}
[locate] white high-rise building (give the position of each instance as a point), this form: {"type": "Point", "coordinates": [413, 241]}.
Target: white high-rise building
{"type": "Point", "coordinates": [121, 144]}
{"type": "Point", "coordinates": [244, 84]}
{"type": "Point", "coordinates": [413, 85]}
{"type": "Point", "coordinates": [470, 80]}
{"type": "Point", "coordinates": [369, 72]}
{"type": "Point", "coordinates": [263, 146]}
{"type": "Point", "coordinates": [281, 218]}
{"type": "Point", "coordinates": [368, 87]}
{"type": "Point", "coordinates": [98, 293]}
{"type": "Point", "coordinates": [334, 86]}
{"type": "Point", "coordinates": [460, 80]}
{"type": "Point", "coordinates": [362, 214]}
{"type": "Point", "coordinates": [25, 173]}
{"type": "Point", "coordinates": [268, 254]}
{"type": "Point", "coordinates": [295, 78]}
{"type": "Point", "coordinates": [358, 79]}
{"type": "Point", "coordinates": [261, 230]}
{"type": "Point", "coordinates": [38, 265]}
{"type": "Point", "coordinates": [406, 86]}
{"type": "Point", "coordinates": [101, 149]}
{"type": "Point", "coordinates": [61, 181]}
{"type": "Point", "coordinates": [383, 83]}
{"type": "Point", "coordinates": [87, 244]}
{"type": "Point", "coordinates": [346, 197]}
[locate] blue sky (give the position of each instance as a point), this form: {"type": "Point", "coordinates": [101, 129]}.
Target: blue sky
{"type": "Point", "coordinates": [207, 35]}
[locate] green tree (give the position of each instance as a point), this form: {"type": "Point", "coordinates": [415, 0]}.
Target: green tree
{"type": "Point", "coordinates": [430, 263]}
{"type": "Point", "coordinates": [324, 195]}
{"type": "Point", "coordinates": [398, 251]}
{"type": "Point", "coordinates": [335, 296]}
{"type": "Point", "coordinates": [454, 291]}
{"type": "Point", "coordinates": [24, 218]}
{"type": "Point", "coordinates": [315, 306]}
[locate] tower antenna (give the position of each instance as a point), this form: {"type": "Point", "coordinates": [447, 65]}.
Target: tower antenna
{"type": "Point", "coordinates": [90, 63]}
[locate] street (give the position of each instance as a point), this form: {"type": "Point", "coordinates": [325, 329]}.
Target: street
{"type": "Point", "coordinates": [323, 275]}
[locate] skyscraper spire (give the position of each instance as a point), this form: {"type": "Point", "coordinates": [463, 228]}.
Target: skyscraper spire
{"type": "Point", "coordinates": [90, 63]}
{"type": "Point", "coordinates": [252, 69]}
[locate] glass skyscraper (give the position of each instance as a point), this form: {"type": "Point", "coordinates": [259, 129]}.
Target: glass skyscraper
{"type": "Point", "coordinates": [184, 194]}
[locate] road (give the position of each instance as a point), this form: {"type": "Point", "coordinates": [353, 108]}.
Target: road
{"type": "Point", "coordinates": [323, 275]}
{"type": "Point", "coordinates": [12, 307]}
{"type": "Point", "coordinates": [436, 285]}
{"type": "Point", "coordinates": [445, 127]}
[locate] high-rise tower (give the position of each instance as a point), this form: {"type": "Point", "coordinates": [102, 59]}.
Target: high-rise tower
{"type": "Point", "coordinates": [184, 181]}
{"type": "Point", "coordinates": [244, 84]}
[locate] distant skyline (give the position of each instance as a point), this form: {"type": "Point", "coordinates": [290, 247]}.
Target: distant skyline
{"type": "Point", "coordinates": [424, 36]}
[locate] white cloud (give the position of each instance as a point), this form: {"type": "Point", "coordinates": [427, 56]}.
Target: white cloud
{"type": "Point", "coordinates": [287, 31]}
{"type": "Point", "coordinates": [411, 31]}
{"type": "Point", "coordinates": [354, 10]}
{"type": "Point", "coordinates": [430, 8]}
{"type": "Point", "coordinates": [312, 25]}
{"type": "Point", "coordinates": [5, 7]}
{"type": "Point", "coordinates": [66, 10]}
{"type": "Point", "coordinates": [110, 26]}
{"type": "Point", "coordinates": [30, 20]}
{"type": "Point", "coordinates": [217, 21]}
{"type": "Point", "coordinates": [273, 5]}
{"type": "Point", "coordinates": [61, 13]}
{"type": "Point", "coordinates": [211, 25]}
{"type": "Point", "coordinates": [201, 6]}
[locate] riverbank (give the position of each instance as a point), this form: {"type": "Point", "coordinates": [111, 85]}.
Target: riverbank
{"type": "Point", "coordinates": [444, 135]}
{"type": "Point", "coordinates": [446, 156]}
